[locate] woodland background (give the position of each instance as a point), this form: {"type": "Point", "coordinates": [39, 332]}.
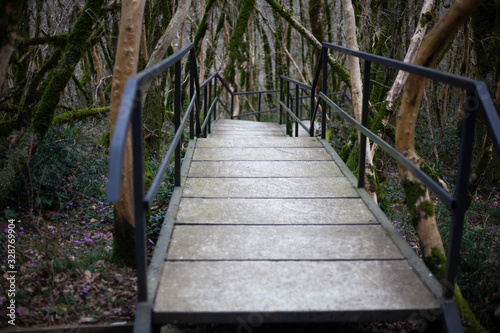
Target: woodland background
{"type": "Point", "coordinates": [57, 68]}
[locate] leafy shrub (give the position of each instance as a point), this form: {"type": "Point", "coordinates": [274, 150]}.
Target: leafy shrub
{"type": "Point", "coordinates": [70, 162]}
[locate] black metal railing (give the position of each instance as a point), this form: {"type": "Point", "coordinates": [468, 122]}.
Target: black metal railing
{"type": "Point", "coordinates": [201, 96]}
{"type": "Point", "coordinates": [477, 98]}
{"type": "Point", "coordinates": [293, 107]}
{"type": "Point", "coordinates": [130, 115]}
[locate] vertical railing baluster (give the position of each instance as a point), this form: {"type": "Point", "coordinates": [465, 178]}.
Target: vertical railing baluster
{"type": "Point", "coordinates": [297, 109]}
{"type": "Point", "coordinates": [138, 182]}
{"type": "Point", "coordinates": [364, 122]}
{"type": "Point", "coordinates": [177, 122]}
{"type": "Point", "coordinates": [232, 105]}
{"type": "Point", "coordinates": [215, 96]}
{"type": "Point", "coordinates": [324, 88]}
{"type": "Point", "coordinates": [281, 100]}
{"type": "Point", "coordinates": [205, 109]}
{"type": "Point", "coordinates": [210, 101]}
{"type": "Point", "coordinates": [461, 189]}
{"type": "Point", "coordinates": [288, 127]}
{"type": "Point", "coordinates": [259, 109]}
{"type": "Point", "coordinates": [192, 81]}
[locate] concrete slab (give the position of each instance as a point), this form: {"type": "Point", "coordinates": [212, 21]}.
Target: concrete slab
{"type": "Point", "coordinates": [275, 142]}
{"type": "Point", "coordinates": [274, 211]}
{"type": "Point", "coordinates": [264, 169]}
{"type": "Point", "coordinates": [345, 242]}
{"type": "Point", "coordinates": [321, 187]}
{"type": "Point", "coordinates": [289, 286]}
{"type": "Point", "coordinates": [250, 133]}
{"type": "Point", "coordinates": [261, 154]}
{"type": "Point", "coordinates": [245, 126]}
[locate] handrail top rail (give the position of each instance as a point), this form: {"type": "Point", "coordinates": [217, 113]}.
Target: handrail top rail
{"type": "Point", "coordinates": [300, 84]}
{"type": "Point", "coordinates": [430, 73]}
{"type": "Point", "coordinates": [131, 95]}
{"type": "Point", "coordinates": [479, 87]}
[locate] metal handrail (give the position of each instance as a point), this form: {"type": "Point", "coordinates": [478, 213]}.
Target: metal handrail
{"type": "Point", "coordinates": [130, 115]}
{"type": "Point", "coordinates": [477, 98]}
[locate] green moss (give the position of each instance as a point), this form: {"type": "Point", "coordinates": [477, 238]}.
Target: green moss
{"type": "Point", "coordinates": [202, 27]}
{"type": "Point", "coordinates": [413, 192]}
{"type": "Point", "coordinates": [68, 117]}
{"type": "Point", "coordinates": [428, 208]}
{"type": "Point", "coordinates": [352, 161]}
{"type": "Point", "coordinates": [62, 74]}
{"type": "Point", "coordinates": [436, 262]}
{"type": "Point", "coordinates": [472, 325]}
{"type": "Point", "coordinates": [426, 18]}
{"type": "Point", "coordinates": [237, 36]}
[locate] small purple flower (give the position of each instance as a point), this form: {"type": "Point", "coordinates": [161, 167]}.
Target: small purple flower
{"type": "Point", "coordinates": [53, 232]}
{"type": "Point", "coordinates": [78, 242]}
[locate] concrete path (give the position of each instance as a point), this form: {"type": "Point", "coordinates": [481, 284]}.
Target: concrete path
{"type": "Point", "coordinates": [269, 226]}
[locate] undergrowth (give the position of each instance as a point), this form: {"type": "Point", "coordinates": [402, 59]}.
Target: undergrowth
{"type": "Point", "coordinates": [64, 232]}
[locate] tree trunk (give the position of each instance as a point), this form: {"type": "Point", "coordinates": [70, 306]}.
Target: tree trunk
{"type": "Point", "coordinates": [100, 76]}
{"type": "Point", "coordinates": [418, 199]}
{"type": "Point", "coordinates": [10, 14]}
{"type": "Point", "coordinates": [337, 68]}
{"type": "Point", "coordinates": [169, 34]}
{"type": "Point", "coordinates": [357, 94]}
{"type": "Point", "coordinates": [415, 43]}
{"type": "Point", "coordinates": [127, 58]}
{"type": "Point", "coordinates": [42, 120]}
{"type": "Point", "coordinates": [227, 70]}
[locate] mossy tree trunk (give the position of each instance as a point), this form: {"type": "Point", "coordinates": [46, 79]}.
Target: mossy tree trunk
{"type": "Point", "coordinates": [10, 14]}
{"type": "Point", "coordinates": [418, 199]}
{"type": "Point", "coordinates": [126, 60]}
{"type": "Point", "coordinates": [42, 120]}
{"type": "Point", "coordinates": [153, 111]}
{"type": "Point", "coordinates": [370, 182]}
{"type": "Point", "coordinates": [227, 69]}
{"type": "Point", "coordinates": [336, 66]}
{"type": "Point", "coordinates": [486, 42]}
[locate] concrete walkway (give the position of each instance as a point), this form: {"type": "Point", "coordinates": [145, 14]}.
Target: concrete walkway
{"type": "Point", "coordinates": [269, 226]}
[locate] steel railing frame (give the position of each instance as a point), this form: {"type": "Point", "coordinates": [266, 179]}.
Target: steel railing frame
{"type": "Point", "coordinates": [477, 98]}
{"type": "Point", "coordinates": [130, 115]}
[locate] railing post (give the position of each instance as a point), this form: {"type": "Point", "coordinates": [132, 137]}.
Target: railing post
{"type": "Point", "coordinates": [457, 222]}
{"type": "Point", "coordinates": [288, 127]}
{"type": "Point", "coordinates": [215, 96]}
{"type": "Point", "coordinates": [260, 109]}
{"type": "Point", "coordinates": [210, 101]}
{"type": "Point", "coordinates": [313, 88]}
{"type": "Point", "coordinates": [177, 122]}
{"type": "Point", "coordinates": [325, 88]}
{"type": "Point", "coordinates": [138, 181]}
{"type": "Point", "coordinates": [364, 122]}
{"type": "Point", "coordinates": [282, 100]}
{"type": "Point", "coordinates": [192, 78]}
{"type": "Point", "coordinates": [297, 109]}
{"type": "Point", "coordinates": [232, 105]}
{"type": "Point", "coordinates": [205, 109]}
